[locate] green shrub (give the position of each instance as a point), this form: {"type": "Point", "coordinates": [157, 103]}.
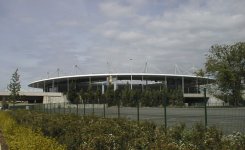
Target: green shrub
{"type": "Point", "coordinates": [90, 132]}
{"type": "Point", "coordinates": [5, 105]}
{"type": "Point", "coordinates": [23, 138]}
{"type": "Point", "coordinates": [234, 141]}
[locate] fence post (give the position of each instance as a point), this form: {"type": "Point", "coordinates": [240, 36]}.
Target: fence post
{"type": "Point", "coordinates": [77, 108]}
{"type": "Point", "coordinates": [104, 107]}
{"type": "Point", "coordinates": [165, 110]}
{"type": "Point", "coordinates": [84, 107]}
{"type": "Point", "coordinates": [138, 110]}
{"type": "Point", "coordinates": [54, 107]}
{"type": "Point", "coordinates": [59, 107]}
{"type": "Point", "coordinates": [205, 107]}
{"type": "Point", "coordinates": [64, 107]}
{"type": "Point", "coordinates": [118, 108]}
{"type": "Point", "coordinates": [93, 106]}
{"type": "Point", "coordinates": [49, 110]}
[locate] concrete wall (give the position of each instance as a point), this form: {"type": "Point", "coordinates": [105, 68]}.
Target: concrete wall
{"type": "Point", "coordinates": [54, 99]}
{"type": "Point", "coordinates": [48, 97]}
{"type": "Point", "coordinates": [66, 105]}
{"type": "Point", "coordinates": [213, 101]}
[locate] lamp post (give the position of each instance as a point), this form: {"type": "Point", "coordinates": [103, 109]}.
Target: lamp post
{"type": "Point", "coordinates": [75, 69]}
{"type": "Point", "coordinates": [131, 86]}
{"type": "Point", "coordinates": [58, 71]}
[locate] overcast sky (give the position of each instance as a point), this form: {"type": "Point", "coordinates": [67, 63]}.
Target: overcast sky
{"type": "Point", "coordinates": [39, 36]}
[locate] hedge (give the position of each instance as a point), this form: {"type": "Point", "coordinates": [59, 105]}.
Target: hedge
{"type": "Point", "coordinates": [19, 137]}
{"type": "Point", "coordinates": [90, 132]}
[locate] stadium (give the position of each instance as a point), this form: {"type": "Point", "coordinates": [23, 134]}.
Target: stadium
{"type": "Point", "coordinates": [191, 86]}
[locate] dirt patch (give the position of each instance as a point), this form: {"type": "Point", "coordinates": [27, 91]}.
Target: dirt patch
{"type": "Point", "coordinates": [3, 145]}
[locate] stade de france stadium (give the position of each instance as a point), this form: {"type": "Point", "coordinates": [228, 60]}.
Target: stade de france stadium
{"type": "Point", "coordinates": [190, 85]}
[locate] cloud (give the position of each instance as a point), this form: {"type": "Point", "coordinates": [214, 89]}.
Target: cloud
{"type": "Point", "coordinates": [114, 9]}
{"type": "Point", "coordinates": [41, 36]}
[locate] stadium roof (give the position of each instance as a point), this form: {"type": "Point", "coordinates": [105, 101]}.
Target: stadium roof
{"type": "Point", "coordinates": [119, 76]}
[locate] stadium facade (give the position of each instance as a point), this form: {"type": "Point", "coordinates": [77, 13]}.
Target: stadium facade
{"type": "Point", "coordinates": [191, 86]}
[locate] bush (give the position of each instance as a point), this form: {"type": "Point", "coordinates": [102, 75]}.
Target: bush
{"type": "Point", "coordinates": [5, 105]}
{"type": "Point", "coordinates": [90, 132]}
{"type": "Point", "coordinates": [23, 138]}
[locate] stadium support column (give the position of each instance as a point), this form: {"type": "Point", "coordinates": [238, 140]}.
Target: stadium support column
{"type": "Point", "coordinates": [146, 84]}
{"type": "Point", "coordinates": [44, 86]}
{"type": "Point", "coordinates": [68, 86]}
{"type": "Point", "coordinates": [142, 86]}
{"type": "Point", "coordinates": [53, 86]}
{"type": "Point", "coordinates": [104, 100]}
{"type": "Point", "coordinates": [183, 85]}
{"type": "Point", "coordinates": [102, 88]}
{"type": "Point", "coordinates": [115, 83]}
{"type": "Point", "coordinates": [131, 84]}
{"type": "Point", "coordinates": [197, 86]}
{"type": "Point", "coordinates": [114, 80]}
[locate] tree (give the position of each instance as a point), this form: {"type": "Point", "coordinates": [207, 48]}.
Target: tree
{"type": "Point", "coordinates": [82, 96]}
{"type": "Point", "coordinates": [126, 92]}
{"type": "Point", "coordinates": [90, 94]}
{"type": "Point", "coordinates": [227, 64]}
{"type": "Point", "coordinates": [97, 96]}
{"type": "Point", "coordinates": [72, 94]}
{"type": "Point", "coordinates": [200, 73]}
{"type": "Point", "coordinates": [5, 105]}
{"type": "Point", "coordinates": [109, 94]}
{"type": "Point", "coordinates": [175, 97]}
{"type": "Point", "coordinates": [14, 87]}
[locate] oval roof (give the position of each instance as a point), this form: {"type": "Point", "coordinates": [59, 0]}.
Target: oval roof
{"type": "Point", "coordinates": [120, 76]}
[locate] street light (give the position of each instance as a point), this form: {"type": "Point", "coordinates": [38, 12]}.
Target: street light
{"type": "Point", "coordinates": [75, 69]}
{"type": "Point", "coordinates": [58, 71]}
{"type": "Point", "coordinates": [131, 86]}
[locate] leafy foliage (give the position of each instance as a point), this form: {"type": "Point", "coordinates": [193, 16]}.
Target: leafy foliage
{"type": "Point", "coordinates": [126, 96]}
{"type": "Point", "coordinates": [14, 86]}
{"type": "Point", "coordinates": [227, 64]}
{"type": "Point", "coordinates": [200, 73]}
{"type": "Point", "coordinates": [23, 138]}
{"type": "Point", "coordinates": [5, 105]}
{"type": "Point", "coordinates": [72, 94]}
{"type": "Point", "coordinates": [90, 132]}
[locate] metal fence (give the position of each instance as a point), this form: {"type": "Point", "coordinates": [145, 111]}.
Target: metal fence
{"type": "Point", "coordinates": [229, 119]}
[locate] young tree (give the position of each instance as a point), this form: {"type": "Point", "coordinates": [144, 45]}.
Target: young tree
{"type": "Point", "coordinates": [125, 95]}
{"type": "Point", "coordinates": [227, 64]}
{"type": "Point", "coordinates": [109, 94]}
{"type": "Point", "coordinates": [90, 94]}
{"type": "Point", "coordinates": [82, 96]}
{"type": "Point", "coordinates": [200, 73]}
{"type": "Point", "coordinates": [72, 94]}
{"type": "Point", "coordinates": [14, 87]}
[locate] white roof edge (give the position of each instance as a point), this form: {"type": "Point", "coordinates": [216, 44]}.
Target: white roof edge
{"type": "Point", "coordinates": [116, 74]}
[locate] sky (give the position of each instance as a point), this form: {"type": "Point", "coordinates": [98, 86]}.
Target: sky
{"type": "Point", "coordinates": [44, 37]}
